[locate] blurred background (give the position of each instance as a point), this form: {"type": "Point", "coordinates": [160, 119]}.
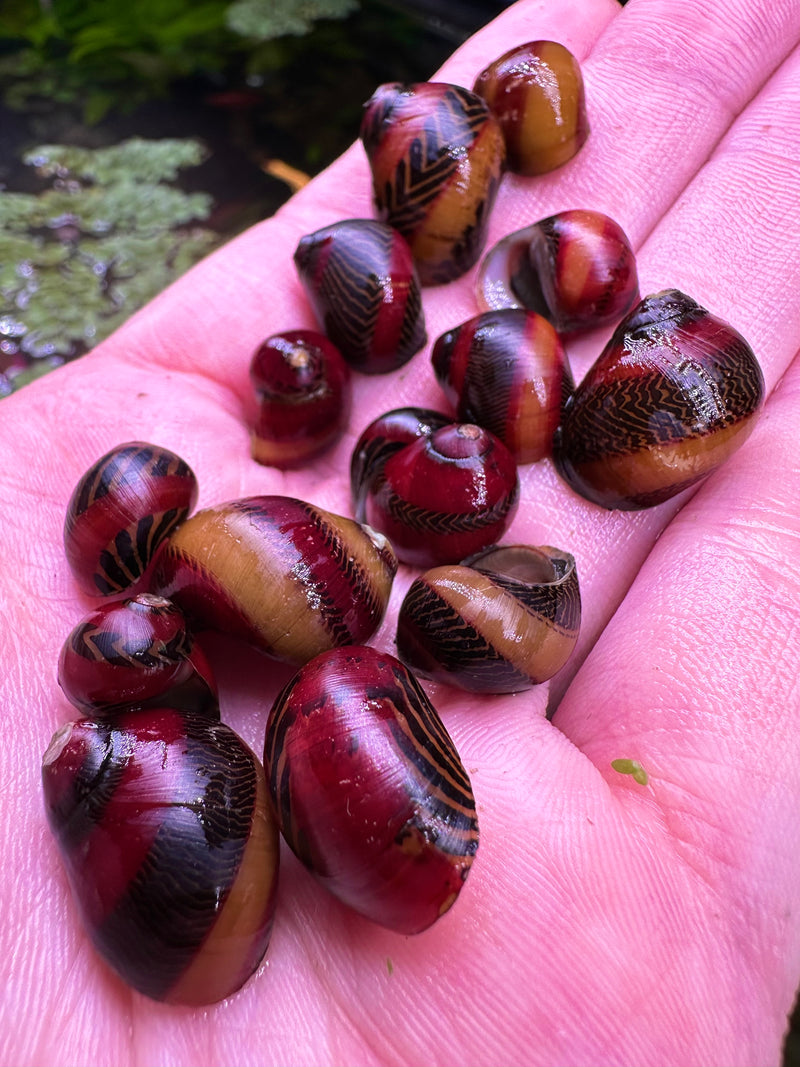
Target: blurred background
{"type": "Point", "coordinates": [136, 135]}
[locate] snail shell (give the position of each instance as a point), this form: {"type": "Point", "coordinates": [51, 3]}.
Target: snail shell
{"type": "Point", "coordinates": [577, 268]}
{"type": "Point", "coordinates": [674, 393]}
{"type": "Point", "coordinates": [502, 621]}
{"type": "Point", "coordinates": [445, 496]}
{"type": "Point", "coordinates": [361, 281]}
{"type": "Point", "coordinates": [136, 652]}
{"type": "Point", "coordinates": [536, 94]}
{"type": "Point", "coordinates": [121, 511]}
{"type": "Point", "coordinates": [383, 437]}
{"type": "Point", "coordinates": [302, 384]}
{"type": "Point", "coordinates": [170, 847]}
{"type": "Point", "coordinates": [506, 371]}
{"type": "Point", "coordinates": [369, 790]}
{"type": "Point", "coordinates": [287, 577]}
{"type": "Point", "coordinates": [437, 155]}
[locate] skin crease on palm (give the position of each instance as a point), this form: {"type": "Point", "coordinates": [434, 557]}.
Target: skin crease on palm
{"type": "Point", "coordinates": [604, 922]}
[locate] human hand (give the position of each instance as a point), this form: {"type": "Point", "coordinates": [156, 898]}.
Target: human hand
{"type": "Point", "coordinates": [603, 921]}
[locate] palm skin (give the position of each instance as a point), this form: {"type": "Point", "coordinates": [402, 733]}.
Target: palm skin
{"type": "Point", "coordinates": [604, 922]}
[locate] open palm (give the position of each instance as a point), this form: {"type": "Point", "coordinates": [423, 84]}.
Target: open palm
{"type": "Point", "coordinates": [604, 921]}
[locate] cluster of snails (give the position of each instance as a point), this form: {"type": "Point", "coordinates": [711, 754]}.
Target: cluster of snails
{"type": "Point", "coordinates": [167, 822]}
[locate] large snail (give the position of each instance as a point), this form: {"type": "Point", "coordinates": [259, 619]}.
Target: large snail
{"type": "Point", "coordinates": [501, 621]}
{"type": "Point", "coordinates": [283, 575]}
{"type": "Point", "coordinates": [170, 847]}
{"type": "Point", "coordinates": [369, 790]}
{"type": "Point", "coordinates": [121, 511]}
{"type": "Point", "coordinates": [436, 154]}
{"type": "Point", "coordinates": [674, 393]}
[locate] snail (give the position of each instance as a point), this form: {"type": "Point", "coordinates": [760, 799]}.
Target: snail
{"type": "Point", "coordinates": [383, 437]}
{"type": "Point", "coordinates": [577, 268]}
{"type": "Point", "coordinates": [170, 847]}
{"type": "Point", "coordinates": [302, 385]}
{"type": "Point", "coordinates": [135, 652]}
{"type": "Point", "coordinates": [508, 372]}
{"type": "Point", "coordinates": [502, 621]}
{"type": "Point", "coordinates": [445, 496]}
{"type": "Point", "coordinates": [672, 395]}
{"type": "Point", "coordinates": [536, 94]}
{"type": "Point", "coordinates": [121, 511]}
{"type": "Point", "coordinates": [362, 284]}
{"type": "Point", "coordinates": [281, 574]}
{"type": "Point", "coordinates": [436, 155]}
{"type": "Point", "coordinates": [369, 790]}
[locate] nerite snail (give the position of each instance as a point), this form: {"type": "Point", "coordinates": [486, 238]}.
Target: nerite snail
{"type": "Point", "coordinates": [501, 621]}
{"type": "Point", "coordinates": [369, 790]}
{"type": "Point", "coordinates": [674, 393]}
{"type": "Point", "coordinates": [170, 848]}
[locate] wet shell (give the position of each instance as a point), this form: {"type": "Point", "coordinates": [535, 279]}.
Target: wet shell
{"type": "Point", "coordinates": [437, 156]}
{"type": "Point", "coordinates": [170, 847]}
{"type": "Point", "coordinates": [121, 511]}
{"type": "Point", "coordinates": [674, 393]}
{"type": "Point", "coordinates": [369, 789]}
{"type": "Point", "coordinates": [500, 622]}
{"type": "Point", "coordinates": [287, 577]}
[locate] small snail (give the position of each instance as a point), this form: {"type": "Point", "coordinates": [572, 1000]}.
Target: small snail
{"type": "Point", "coordinates": [536, 94]}
{"type": "Point", "coordinates": [369, 790]}
{"type": "Point", "coordinates": [170, 848]}
{"type": "Point", "coordinates": [502, 621]}
{"type": "Point", "coordinates": [361, 281]}
{"type": "Point", "coordinates": [674, 393]}
{"type": "Point", "coordinates": [508, 372]}
{"type": "Point", "coordinates": [436, 154]}
{"type": "Point", "coordinates": [136, 652]}
{"type": "Point", "coordinates": [382, 438]}
{"type": "Point", "coordinates": [445, 496]}
{"type": "Point", "coordinates": [302, 385]}
{"type": "Point", "coordinates": [577, 268]}
{"type": "Point", "coordinates": [120, 512]}
{"type": "Point", "coordinates": [287, 577]}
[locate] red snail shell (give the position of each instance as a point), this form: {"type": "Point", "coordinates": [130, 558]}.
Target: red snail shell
{"type": "Point", "coordinates": [536, 94]}
{"type": "Point", "coordinates": [506, 371]}
{"type": "Point", "coordinates": [437, 155]}
{"type": "Point", "coordinates": [674, 393]}
{"type": "Point", "coordinates": [361, 281]}
{"type": "Point", "coordinates": [577, 268]}
{"type": "Point", "coordinates": [136, 652]}
{"type": "Point", "coordinates": [445, 496]}
{"type": "Point", "coordinates": [121, 511]}
{"type": "Point", "coordinates": [287, 577]}
{"type": "Point", "coordinates": [383, 437]}
{"type": "Point", "coordinates": [369, 789]}
{"type": "Point", "coordinates": [302, 385]}
{"type": "Point", "coordinates": [502, 621]}
{"type": "Point", "coordinates": [170, 847]}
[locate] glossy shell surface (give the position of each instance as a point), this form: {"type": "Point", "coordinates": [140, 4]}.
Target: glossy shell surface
{"type": "Point", "coordinates": [135, 652]}
{"type": "Point", "coordinates": [361, 282]}
{"type": "Point", "coordinates": [673, 394]}
{"type": "Point", "coordinates": [500, 622]}
{"type": "Point", "coordinates": [170, 848]}
{"type": "Point", "coordinates": [370, 792]}
{"type": "Point", "coordinates": [289, 578]}
{"type": "Point", "coordinates": [437, 155]}
{"type": "Point", "coordinates": [121, 511]}
{"type": "Point", "coordinates": [445, 496]}
{"type": "Point", "coordinates": [577, 268]}
{"type": "Point", "coordinates": [302, 387]}
{"type": "Point", "coordinates": [506, 371]}
{"type": "Point", "coordinates": [536, 93]}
